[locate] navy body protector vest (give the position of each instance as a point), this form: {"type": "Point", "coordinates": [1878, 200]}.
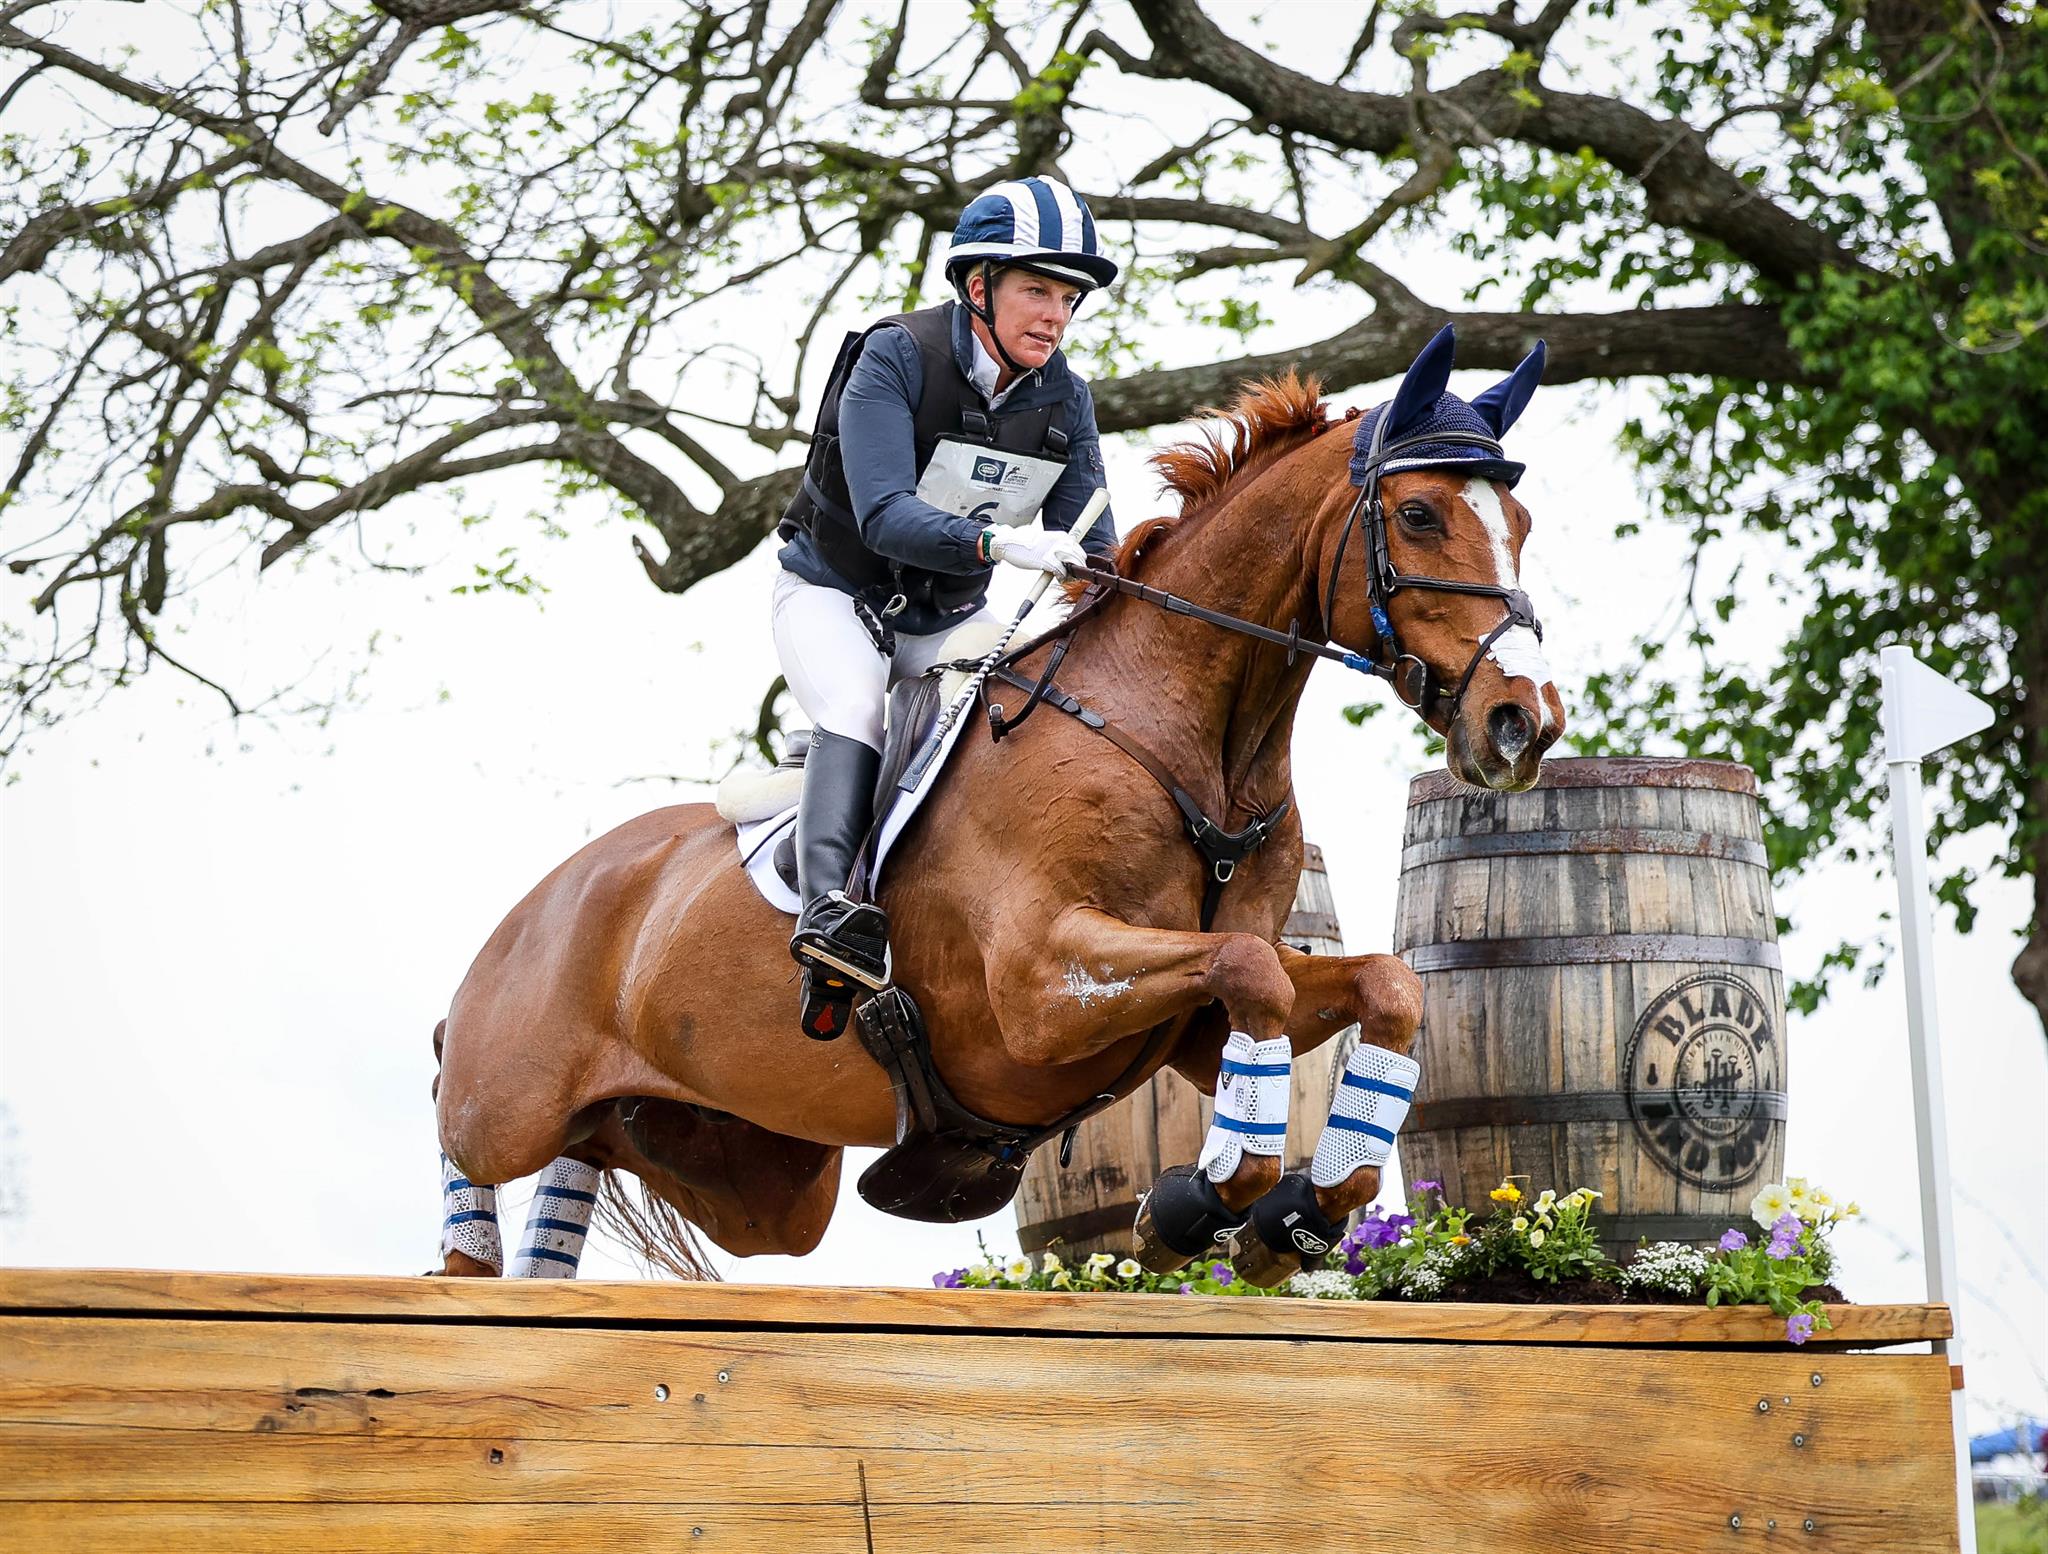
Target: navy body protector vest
{"type": "Point", "coordinates": [950, 407]}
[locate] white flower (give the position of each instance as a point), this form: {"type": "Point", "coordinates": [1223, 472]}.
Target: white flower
{"type": "Point", "coordinates": [1097, 1261]}
{"type": "Point", "coordinates": [1821, 1199]}
{"type": "Point", "coordinates": [1545, 1198]}
{"type": "Point", "coordinates": [1052, 1263]}
{"type": "Point", "coordinates": [1535, 1238]}
{"type": "Point", "coordinates": [1323, 1284]}
{"type": "Point", "coordinates": [1772, 1202]}
{"type": "Point", "coordinates": [1797, 1198]}
{"type": "Point", "coordinates": [1519, 1223]}
{"type": "Point", "coordinates": [1129, 1268]}
{"type": "Point", "coordinates": [1062, 1280]}
{"type": "Point", "coordinates": [1670, 1267]}
{"type": "Point", "coordinates": [1019, 1269]}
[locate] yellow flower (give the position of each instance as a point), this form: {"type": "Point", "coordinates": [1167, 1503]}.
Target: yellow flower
{"type": "Point", "coordinates": [1851, 1209]}
{"type": "Point", "coordinates": [1821, 1198]}
{"type": "Point", "coordinates": [1129, 1268]}
{"type": "Point", "coordinates": [1461, 1241]}
{"type": "Point", "coordinates": [1535, 1238]}
{"type": "Point", "coordinates": [1507, 1192]}
{"type": "Point", "coordinates": [1019, 1269]}
{"type": "Point", "coordinates": [1052, 1263]}
{"type": "Point", "coordinates": [1520, 1223]}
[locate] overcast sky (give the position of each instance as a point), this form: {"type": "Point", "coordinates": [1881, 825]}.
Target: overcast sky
{"type": "Point", "coordinates": [223, 948]}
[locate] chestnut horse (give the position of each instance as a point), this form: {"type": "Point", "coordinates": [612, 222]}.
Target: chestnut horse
{"type": "Point", "coordinates": [635, 1011]}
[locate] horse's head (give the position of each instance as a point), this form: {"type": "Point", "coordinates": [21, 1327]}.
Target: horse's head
{"type": "Point", "coordinates": [1427, 570]}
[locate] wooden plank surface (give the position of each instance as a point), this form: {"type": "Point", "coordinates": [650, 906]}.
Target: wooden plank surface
{"type": "Point", "coordinates": [177, 1434]}
{"type": "Point", "coordinates": [154, 1292]}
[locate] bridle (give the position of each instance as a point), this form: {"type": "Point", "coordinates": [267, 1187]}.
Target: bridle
{"type": "Point", "coordinates": [1413, 681]}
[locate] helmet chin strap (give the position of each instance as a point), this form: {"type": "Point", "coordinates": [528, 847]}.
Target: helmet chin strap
{"type": "Point", "coordinates": [987, 314]}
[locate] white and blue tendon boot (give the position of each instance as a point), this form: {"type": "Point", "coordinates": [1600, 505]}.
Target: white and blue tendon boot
{"type": "Point", "coordinates": [558, 1221]}
{"type": "Point", "coordinates": [469, 1224]}
{"type": "Point", "coordinates": [1184, 1216]}
{"type": "Point", "coordinates": [1373, 1096]}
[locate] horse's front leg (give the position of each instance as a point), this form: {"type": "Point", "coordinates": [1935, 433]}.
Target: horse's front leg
{"type": "Point", "coordinates": [1094, 980]}
{"type": "Point", "coordinates": [1302, 1217]}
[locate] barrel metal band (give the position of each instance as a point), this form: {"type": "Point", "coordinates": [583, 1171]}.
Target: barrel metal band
{"type": "Point", "coordinates": [1593, 950]}
{"type": "Point", "coordinates": [1525, 1111]}
{"type": "Point", "coordinates": [1543, 844]}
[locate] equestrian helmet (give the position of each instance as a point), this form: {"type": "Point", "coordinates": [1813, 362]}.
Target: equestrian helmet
{"type": "Point", "coordinates": [1035, 224]}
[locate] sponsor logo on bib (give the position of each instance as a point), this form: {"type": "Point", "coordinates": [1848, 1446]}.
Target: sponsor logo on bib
{"type": "Point", "coordinates": [989, 472]}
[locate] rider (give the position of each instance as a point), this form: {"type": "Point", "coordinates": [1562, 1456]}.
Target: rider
{"type": "Point", "coordinates": [942, 433]}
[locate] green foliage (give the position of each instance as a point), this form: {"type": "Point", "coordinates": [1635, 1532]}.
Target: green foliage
{"type": "Point", "coordinates": [1903, 491]}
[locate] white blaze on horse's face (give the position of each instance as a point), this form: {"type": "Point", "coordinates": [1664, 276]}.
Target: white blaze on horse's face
{"type": "Point", "coordinates": [1517, 652]}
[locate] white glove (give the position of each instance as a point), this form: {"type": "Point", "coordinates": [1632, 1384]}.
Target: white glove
{"type": "Point", "coordinates": [1043, 550]}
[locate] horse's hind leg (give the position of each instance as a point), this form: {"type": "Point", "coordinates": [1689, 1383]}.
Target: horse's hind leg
{"type": "Point", "coordinates": [470, 1243]}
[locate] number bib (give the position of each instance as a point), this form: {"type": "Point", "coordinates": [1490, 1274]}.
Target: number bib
{"type": "Point", "coordinates": [989, 485]}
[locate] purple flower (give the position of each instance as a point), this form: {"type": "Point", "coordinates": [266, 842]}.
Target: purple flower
{"type": "Point", "coordinates": [1733, 1241]}
{"type": "Point", "coordinates": [949, 1281]}
{"type": "Point", "coordinates": [1222, 1273]}
{"type": "Point", "coordinates": [1784, 1239]}
{"type": "Point", "coordinates": [1354, 1264]}
{"type": "Point", "coordinates": [1799, 1327]}
{"type": "Point", "coordinates": [1187, 1289]}
{"type": "Point", "coordinates": [1429, 1187]}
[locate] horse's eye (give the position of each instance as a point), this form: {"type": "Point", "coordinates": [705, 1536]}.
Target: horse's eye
{"type": "Point", "coordinates": [1419, 517]}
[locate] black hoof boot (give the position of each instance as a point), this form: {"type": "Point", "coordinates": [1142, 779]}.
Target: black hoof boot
{"type": "Point", "coordinates": [827, 1004]}
{"type": "Point", "coordinates": [1292, 1233]}
{"type": "Point", "coordinates": [1181, 1218]}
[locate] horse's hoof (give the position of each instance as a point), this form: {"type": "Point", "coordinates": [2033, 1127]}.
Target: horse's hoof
{"type": "Point", "coordinates": [1180, 1219]}
{"type": "Point", "coordinates": [1259, 1265]}
{"type": "Point", "coordinates": [460, 1265]}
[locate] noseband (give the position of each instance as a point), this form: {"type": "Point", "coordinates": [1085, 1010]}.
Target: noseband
{"type": "Point", "coordinates": [1413, 680]}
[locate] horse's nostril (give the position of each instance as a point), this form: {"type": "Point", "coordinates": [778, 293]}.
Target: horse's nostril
{"type": "Point", "coordinates": [1510, 728]}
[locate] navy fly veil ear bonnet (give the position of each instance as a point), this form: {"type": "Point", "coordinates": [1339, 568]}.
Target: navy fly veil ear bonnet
{"type": "Point", "coordinates": [1428, 427]}
{"type": "Point", "coordinates": [1424, 408]}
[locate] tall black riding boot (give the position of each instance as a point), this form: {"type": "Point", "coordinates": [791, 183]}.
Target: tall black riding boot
{"type": "Point", "coordinates": [840, 943]}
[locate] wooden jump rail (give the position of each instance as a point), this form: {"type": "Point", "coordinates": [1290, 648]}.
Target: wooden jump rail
{"type": "Point", "coordinates": [180, 1411]}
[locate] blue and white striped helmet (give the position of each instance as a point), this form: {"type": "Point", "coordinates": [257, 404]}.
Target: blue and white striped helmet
{"type": "Point", "coordinates": [1038, 223]}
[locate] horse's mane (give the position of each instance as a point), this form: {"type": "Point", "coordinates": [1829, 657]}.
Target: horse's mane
{"type": "Point", "coordinates": [1269, 417]}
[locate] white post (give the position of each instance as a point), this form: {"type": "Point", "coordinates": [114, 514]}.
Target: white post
{"type": "Point", "coordinates": [1923, 713]}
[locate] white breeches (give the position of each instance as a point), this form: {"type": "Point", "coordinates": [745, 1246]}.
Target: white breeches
{"type": "Point", "coordinates": [830, 661]}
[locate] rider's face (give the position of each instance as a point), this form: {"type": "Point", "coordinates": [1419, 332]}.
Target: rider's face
{"type": "Point", "coordinates": [1032, 313]}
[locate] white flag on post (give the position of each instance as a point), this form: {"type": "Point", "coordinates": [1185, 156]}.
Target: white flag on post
{"type": "Point", "coordinates": [1923, 712]}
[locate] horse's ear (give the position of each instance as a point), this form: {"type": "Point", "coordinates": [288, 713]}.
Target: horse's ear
{"type": "Point", "coordinates": [1501, 406]}
{"type": "Point", "coordinates": [1428, 376]}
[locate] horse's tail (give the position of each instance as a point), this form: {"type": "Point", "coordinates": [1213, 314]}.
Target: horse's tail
{"type": "Point", "coordinates": [652, 1229]}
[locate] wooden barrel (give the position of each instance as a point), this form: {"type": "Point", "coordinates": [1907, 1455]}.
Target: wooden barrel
{"type": "Point", "coordinates": [1089, 1206]}
{"type": "Point", "coordinates": [1602, 1000]}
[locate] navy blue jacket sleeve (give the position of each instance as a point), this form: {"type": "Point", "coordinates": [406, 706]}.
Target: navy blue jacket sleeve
{"type": "Point", "coordinates": [878, 449]}
{"type": "Point", "coordinates": [1082, 476]}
